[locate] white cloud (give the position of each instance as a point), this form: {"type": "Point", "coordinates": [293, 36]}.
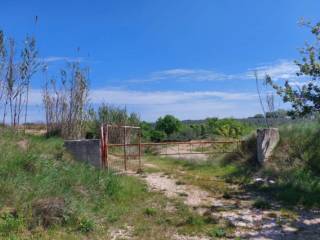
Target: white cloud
{"type": "Point", "coordinates": [183, 104]}
{"type": "Point", "coordinates": [183, 74]}
{"type": "Point", "coordinates": [162, 97]}
{"type": "Point", "coordinates": [190, 74]}
{"type": "Point", "coordinates": [128, 97]}
{"type": "Point", "coordinates": [52, 59]}
{"type": "Point", "coordinates": [280, 70]}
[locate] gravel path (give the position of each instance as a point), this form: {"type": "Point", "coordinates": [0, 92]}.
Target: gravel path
{"type": "Point", "coordinates": [250, 223]}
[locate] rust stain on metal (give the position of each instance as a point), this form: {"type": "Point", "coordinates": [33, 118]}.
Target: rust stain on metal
{"type": "Point", "coordinates": [123, 136]}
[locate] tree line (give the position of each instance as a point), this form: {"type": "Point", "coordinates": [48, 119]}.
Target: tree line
{"type": "Point", "coordinates": [169, 128]}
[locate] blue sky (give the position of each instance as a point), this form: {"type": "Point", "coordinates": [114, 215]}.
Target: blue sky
{"type": "Point", "coordinates": [193, 59]}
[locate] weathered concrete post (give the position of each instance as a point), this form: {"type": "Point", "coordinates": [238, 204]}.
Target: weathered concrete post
{"type": "Point", "coordinates": [267, 140]}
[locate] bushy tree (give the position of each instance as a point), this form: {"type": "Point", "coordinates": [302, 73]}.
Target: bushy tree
{"type": "Point", "coordinates": [146, 129]}
{"type": "Point", "coordinates": [304, 99]}
{"type": "Point", "coordinates": [157, 136]}
{"type": "Point", "coordinates": [227, 127]}
{"type": "Point", "coordinates": [186, 133]}
{"type": "Point", "coordinates": [168, 124]}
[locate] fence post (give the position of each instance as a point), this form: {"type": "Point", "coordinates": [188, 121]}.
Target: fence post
{"type": "Point", "coordinates": [125, 149]}
{"type": "Point", "coordinates": [140, 150]}
{"type": "Point", "coordinates": [102, 147]}
{"type": "Point", "coordinates": [106, 137]}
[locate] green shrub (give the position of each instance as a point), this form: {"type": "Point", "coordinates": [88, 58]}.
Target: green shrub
{"type": "Point", "coordinates": [297, 187]}
{"type": "Point", "coordinates": [150, 211]}
{"type": "Point", "coordinates": [157, 136]}
{"type": "Point", "coordinates": [226, 195]}
{"type": "Point", "coordinates": [261, 204]}
{"type": "Point", "coordinates": [10, 224]}
{"type": "Point", "coordinates": [217, 232]}
{"type": "Point", "coordinates": [227, 127]}
{"type": "Point", "coordinates": [195, 220]}
{"type": "Point", "coordinates": [295, 165]}
{"type": "Point", "coordinates": [299, 147]}
{"type": "Point", "coordinates": [86, 225]}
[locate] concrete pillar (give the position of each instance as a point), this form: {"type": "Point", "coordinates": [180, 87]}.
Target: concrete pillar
{"type": "Point", "coordinates": [267, 140]}
{"type": "Point", "coordinates": [86, 150]}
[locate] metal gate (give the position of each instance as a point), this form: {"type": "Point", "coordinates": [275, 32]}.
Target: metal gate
{"type": "Point", "coordinates": [122, 149]}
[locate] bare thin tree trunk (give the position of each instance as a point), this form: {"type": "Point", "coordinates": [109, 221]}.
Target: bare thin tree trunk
{"type": "Point", "coordinates": [26, 107]}
{"type": "Point", "coordinates": [5, 111]}
{"type": "Point", "coordinates": [260, 98]}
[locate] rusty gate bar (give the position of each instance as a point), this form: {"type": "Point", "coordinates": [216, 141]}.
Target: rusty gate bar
{"type": "Point", "coordinates": [139, 151]}
{"type": "Point", "coordinates": [106, 148]}
{"type": "Point", "coordinates": [176, 143]}
{"type": "Point", "coordinates": [102, 147]}
{"type": "Point", "coordinates": [202, 146]}
{"type": "Point", "coordinates": [124, 148]}
{"type": "Point", "coordinates": [105, 145]}
{"type": "Point", "coordinates": [165, 144]}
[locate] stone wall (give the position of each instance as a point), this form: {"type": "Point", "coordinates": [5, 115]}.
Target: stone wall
{"type": "Point", "coordinates": [267, 140]}
{"type": "Point", "coordinates": [85, 150]}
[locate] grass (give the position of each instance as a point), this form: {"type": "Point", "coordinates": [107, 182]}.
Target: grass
{"type": "Point", "coordinates": [207, 175]}
{"type": "Point", "coordinates": [217, 233]}
{"type": "Point", "coordinates": [295, 188]}
{"type": "Point", "coordinates": [216, 173]}
{"type": "Point", "coordinates": [296, 166]}
{"type": "Point", "coordinates": [261, 203]}
{"type": "Point", "coordinates": [35, 169]}
{"type": "Point", "coordinates": [150, 211]}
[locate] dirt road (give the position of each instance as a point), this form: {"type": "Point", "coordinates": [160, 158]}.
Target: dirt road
{"type": "Point", "coordinates": [249, 222]}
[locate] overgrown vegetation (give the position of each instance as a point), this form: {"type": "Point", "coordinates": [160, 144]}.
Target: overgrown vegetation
{"type": "Point", "coordinates": [295, 165]}
{"type": "Point", "coordinates": [66, 101]}
{"type": "Point", "coordinates": [108, 114]}
{"type": "Point", "coordinates": [291, 176]}
{"type": "Point", "coordinates": [45, 195]}
{"type": "Point", "coordinates": [169, 128]}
